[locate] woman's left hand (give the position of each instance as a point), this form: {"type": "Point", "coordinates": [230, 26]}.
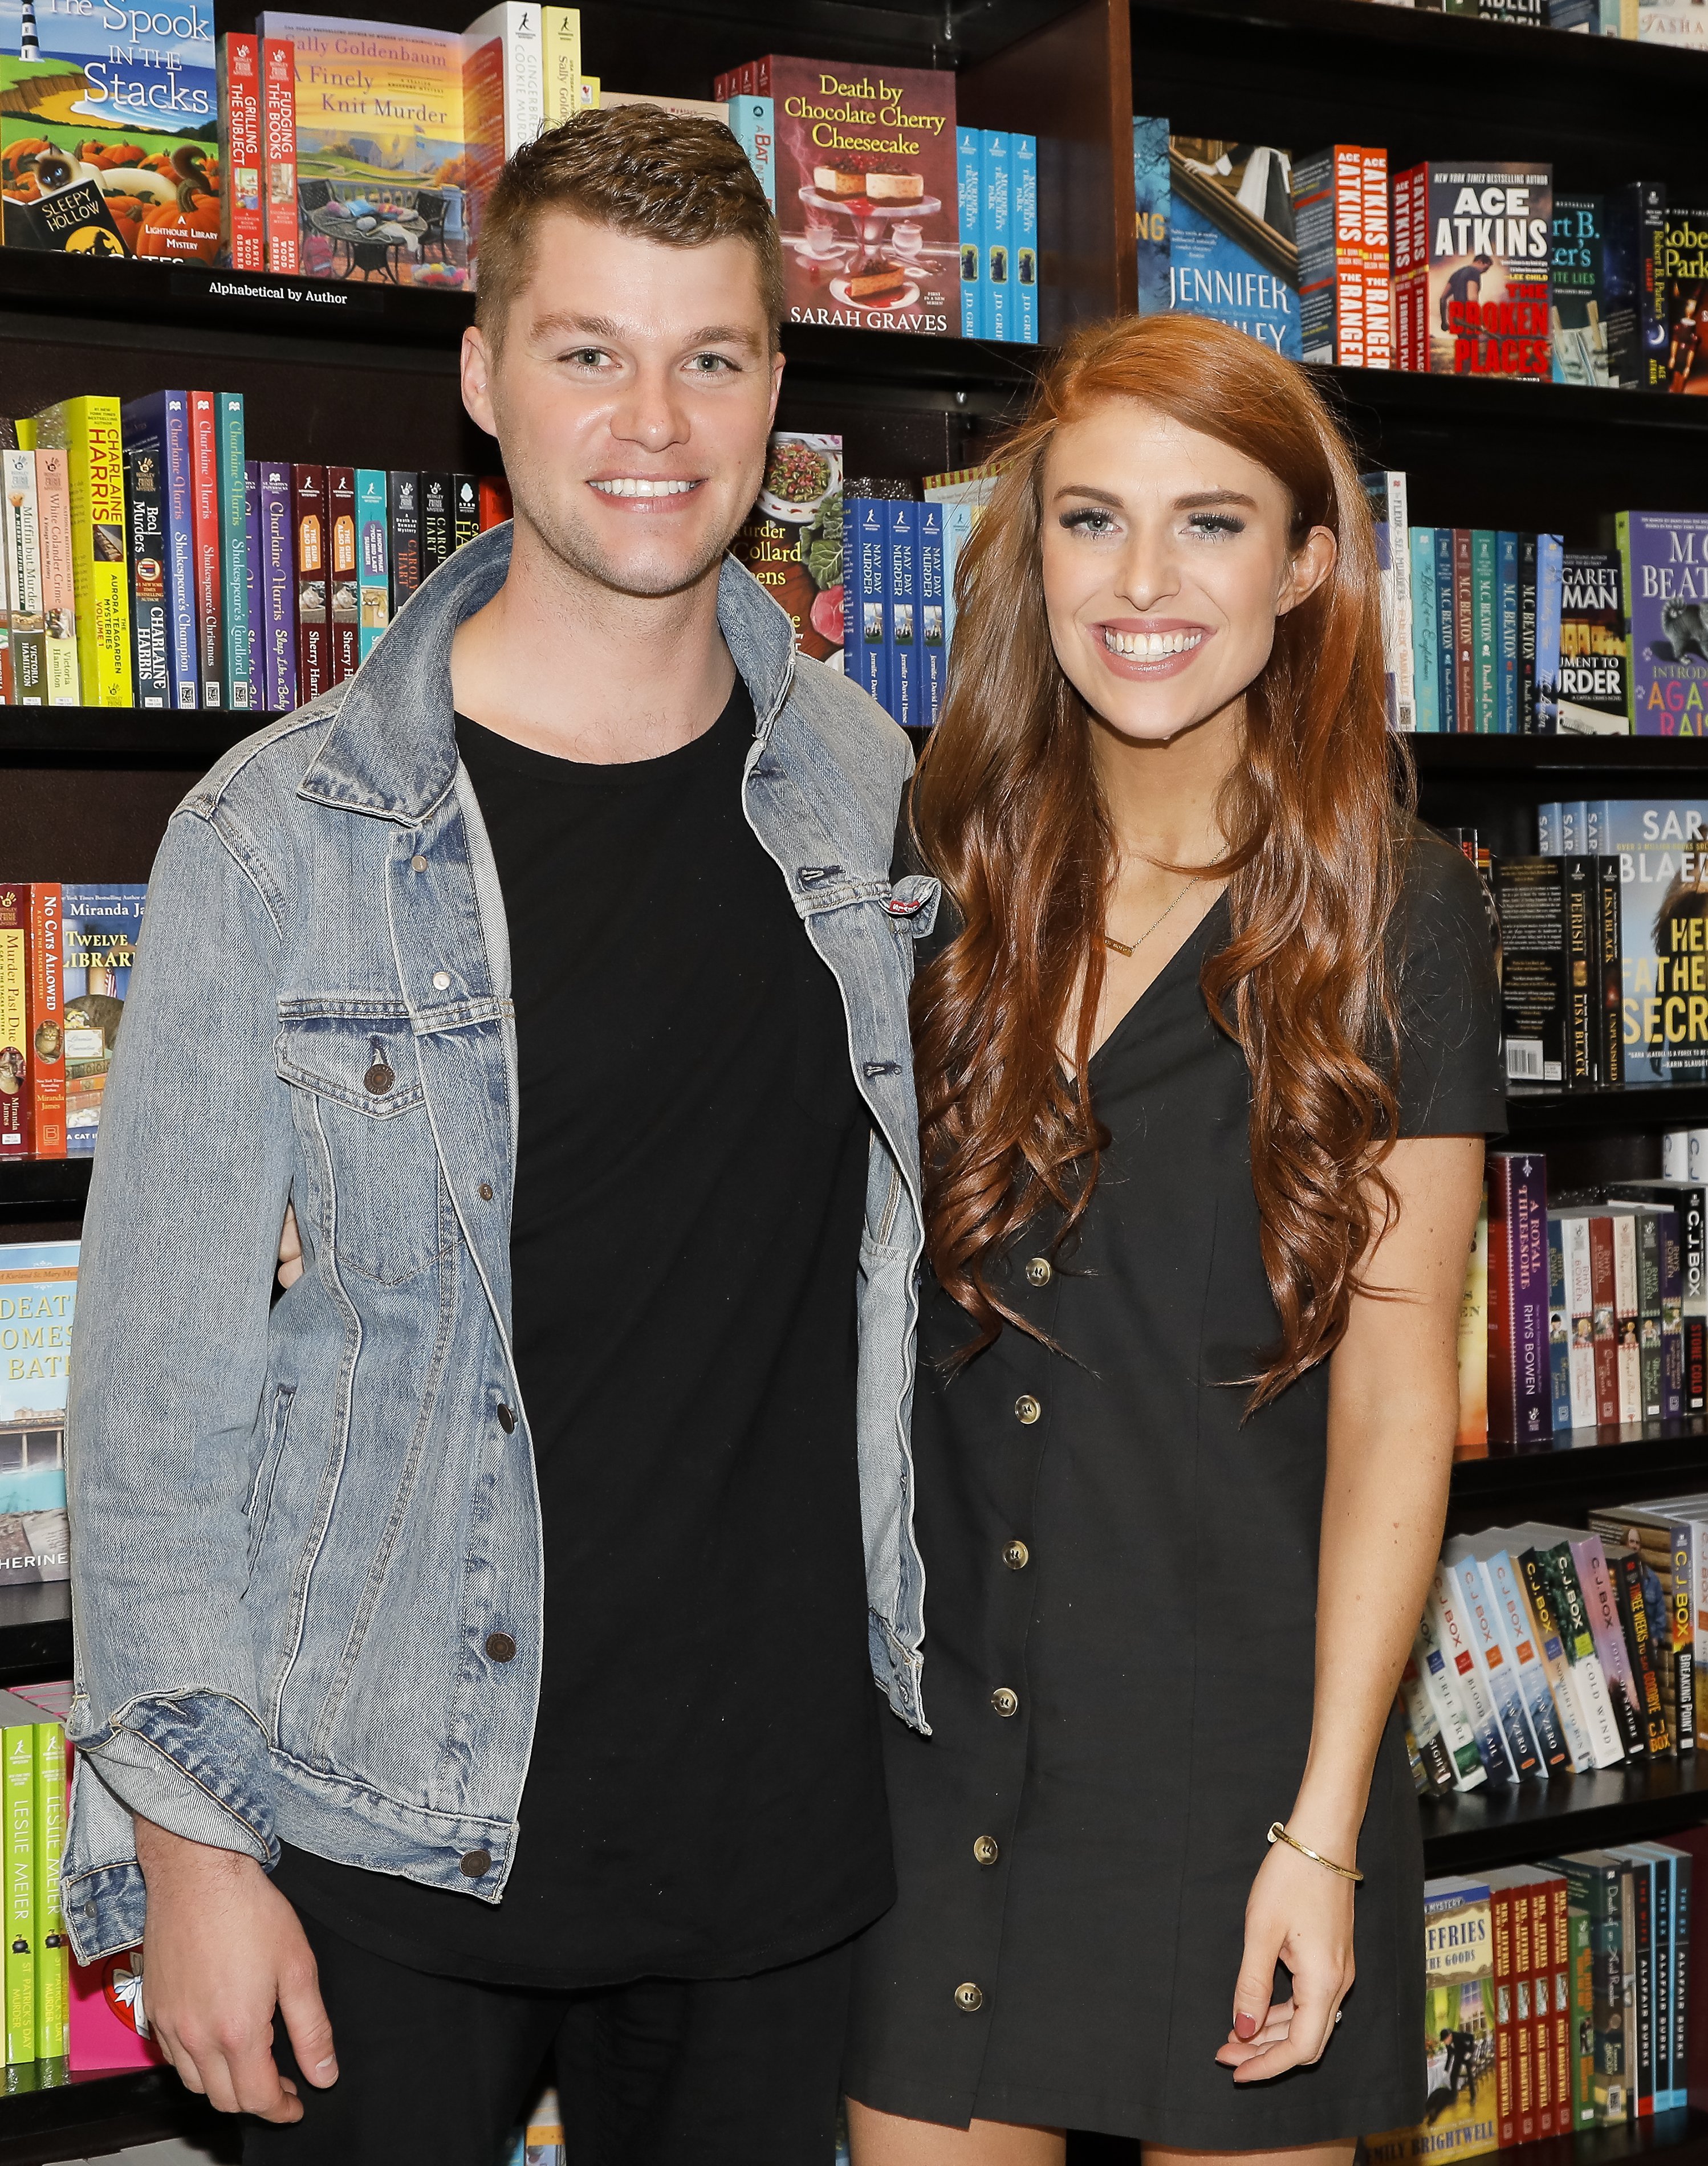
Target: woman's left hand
{"type": "Point", "coordinates": [1300, 1915]}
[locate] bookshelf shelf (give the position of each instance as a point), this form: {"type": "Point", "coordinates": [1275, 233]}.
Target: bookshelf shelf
{"type": "Point", "coordinates": [35, 1632]}
{"type": "Point", "coordinates": [96, 2109]}
{"type": "Point", "coordinates": [1609, 760]}
{"type": "Point", "coordinates": [44, 1180]}
{"type": "Point", "coordinates": [1562, 1483]}
{"type": "Point", "coordinates": [119, 737]}
{"type": "Point", "coordinates": [1572, 1812]}
{"type": "Point", "coordinates": [1682, 2134]}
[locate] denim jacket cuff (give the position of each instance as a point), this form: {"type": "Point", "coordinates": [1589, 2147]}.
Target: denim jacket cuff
{"type": "Point", "coordinates": [198, 1765]}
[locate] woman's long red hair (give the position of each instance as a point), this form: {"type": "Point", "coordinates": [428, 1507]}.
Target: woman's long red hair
{"type": "Point", "coordinates": [1007, 811]}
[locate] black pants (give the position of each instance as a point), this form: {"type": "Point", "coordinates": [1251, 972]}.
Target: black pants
{"type": "Point", "coordinates": [664, 2072]}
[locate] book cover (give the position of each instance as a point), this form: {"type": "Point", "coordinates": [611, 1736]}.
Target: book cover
{"type": "Point", "coordinates": [1484, 667]}
{"type": "Point", "coordinates": [1446, 643]}
{"type": "Point", "coordinates": [1499, 1674]}
{"type": "Point", "coordinates": [16, 1060]}
{"type": "Point", "coordinates": [497, 505]}
{"type": "Point", "coordinates": [1426, 649]}
{"type": "Point", "coordinates": [101, 925]}
{"type": "Point", "coordinates": [1530, 894]}
{"type": "Point", "coordinates": [1559, 1331]}
{"type": "Point", "coordinates": [901, 610]}
{"type": "Point", "coordinates": [752, 122]}
{"type": "Point", "coordinates": [1441, 1687]}
{"type": "Point", "coordinates": [1329, 226]}
{"type": "Point", "coordinates": [314, 622]}
{"type": "Point", "coordinates": [382, 174]}
{"type": "Point", "coordinates": [1625, 1568]}
{"type": "Point", "coordinates": [1580, 1303]}
{"type": "Point", "coordinates": [1386, 493]}
{"type": "Point", "coordinates": [1583, 972]}
{"type": "Point", "coordinates": [434, 522]}
{"type": "Point", "coordinates": [144, 496]}
{"type": "Point", "coordinates": [343, 594]}
{"type": "Point", "coordinates": [1490, 236]}
{"type": "Point", "coordinates": [52, 1949]}
{"type": "Point", "coordinates": [278, 590]}
{"type": "Point", "coordinates": [37, 1305]}
{"type": "Point", "coordinates": [1542, 1601]}
{"type": "Point", "coordinates": [279, 125]}
{"type": "Point", "coordinates": [109, 136]}
{"type": "Point", "coordinates": [1683, 1200]}
{"type": "Point", "coordinates": [158, 427]}
{"type": "Point", "coordinates": [1593, 683]}
{"type": "Point", "coordinates": [53, 513]}
{"type": "Point", "coordinates": [504, 99]}
{"type": "Point", "coordinates": [403, 550]}
{"type": "Point", "coordinates": [1593, 1879]}
{"type": "Point", "coordinates": [1153, 196]}
{"type": "Point", "coordinates": [1519, 1387]}
{"type": "Point", "coordinates": [1465, 630]}
{"type": "Point", "coordinates": [1639, 1971]}
{"type": "Point", "coordinates": [374, 569]}
{"type": "Point", "coordinates": [1579, 288]}
{"type": "Point", "coordinates": [996, 195]}
{"type": "Point", "coordinates": [933, 637]}
{"type": "Point", "coordinates": [1662, 1895]}
{"type": "Point", "coordinates": [1662, 869]}
{"type": "Point", "coordinates": [1664, 559]}
{"type": "Point", "coordinates": [1519, 1642]}
{"type": "Point", "coordinates": [969, 201]}
{"type": "Point", "coordinates": [1424, 1726]}
{"type": "Point", "coordinates": [1506, 632]}
{"type": "Point", "coordinates": [23, 578]}
{"type": "Point", "coordinates": [1459, 2030]}
{"type": "Point", "coordinates": [87, 430]}
{"type": "Point", "coordinates": [234, 551]}
{"type": "Point", "coordinates": [1557, 1571]}
{"type": "Point", "coordinates": [1527, 552]}
{"type": "Point", "coordinates": [868, 196]}
{"type": "Point", "coordinates": [242, 219]}
{"type": "Point", "coordinates": [1233, 253]}
{"type": "Point", "coordinates": [1455, 1632]}
{"type": "Point", "coordinates": [1604, 1268]}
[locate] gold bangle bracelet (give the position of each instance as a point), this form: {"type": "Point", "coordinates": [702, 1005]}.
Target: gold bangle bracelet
{"type": "Point", "coordinates": [1277, 1833]}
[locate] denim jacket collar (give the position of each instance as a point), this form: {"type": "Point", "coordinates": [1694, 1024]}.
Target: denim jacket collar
{"type": "Point", "coordinates": [392, 751]}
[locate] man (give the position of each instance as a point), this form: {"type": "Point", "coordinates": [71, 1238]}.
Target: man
{"type": "Point", "coordinates": [473, 1658]}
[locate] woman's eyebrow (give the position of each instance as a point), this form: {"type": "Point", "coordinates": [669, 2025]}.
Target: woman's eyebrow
{"type": "Point", "coordinates": [1200, 501]}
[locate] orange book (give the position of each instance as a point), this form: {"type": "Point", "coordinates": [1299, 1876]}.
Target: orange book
{"type": "Point", "coordinates": [47, 1018]}
{"type": "Point", "coordinates": [17, 1125]}
{"type": "Point", "coordinates": [278, 140]}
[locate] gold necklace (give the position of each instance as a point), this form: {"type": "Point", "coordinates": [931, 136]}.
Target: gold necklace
{"type": "Point", "coordinates": [1121, 948]}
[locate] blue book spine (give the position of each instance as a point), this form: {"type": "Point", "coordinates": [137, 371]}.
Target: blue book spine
{"type": "Point", "coordinates": [1153, 193]}
{"type": "Point", "coordinates": [995, 180]}
{"type": "Point", "coordinates": [1024, 285]}
{"type": "Point", "coordinates": [160, 423]}
{"type": "Point", "coordinates": [1590, 833]}
{"type": "Point", "coordinates": [865, 651]}
{"type": "Point", "coordinates": [234, 549]}
{"type": "Point", "coordinates": [1500, 1677]}
{"type": "Point", "coordinates": [1446, 656]}
{"type": "Point", "coordinates": [969, 204]}
{"type": "Point", "coordinates": [1425, 679]}
{"type": "Point", "coordinates": [933, 628]}
{"type": "Point", "coordinates": [901, 617]}
{"type": "Point", "coordinates": [1559, 1315]}
{"type": "Point", "coordinates": [1547, 829]}
{"type": "Point", "coordinates": [1667, 2092]}
{"type": "Point", "coordinates": [958, 520]}
{"type": "Point", "coordinates": [372, 557]}
{"type": "Point", "coordinates": [752, 122]}
{"type": "Point", "coordinates": [252, 577]}
{"type": "Point", "coordinates": [1550, 575]}
{"type": "Point", "coordinates": [1506, 619]}
{"type": "Point", "coordinates": [278, 593]}
{"type": "Point", "coordinates": [1517, 1643]}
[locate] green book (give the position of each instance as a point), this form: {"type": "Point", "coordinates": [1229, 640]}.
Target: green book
{"type": "Point", "coordinates": [234, 548]}
{"type": "Point", "coordinates": [1582, 2011]}
{"type": "Point", "coordinates": [1485, 653]}
{"type": "Point", "coordinates": [17, 1833]}
{"type": "Point", "coordinates": [52, 1955]}
{"type": "Point", "coordinates": [1596, 1883]}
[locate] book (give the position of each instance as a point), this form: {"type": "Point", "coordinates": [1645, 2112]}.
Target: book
{"type": "Point", "coordinates": [1609, 952]}
{"type": "Point", "coordinates": [1498, 1673]}
{"type": "Point", "coordinates": [86, 430]}
{"type": "Point", "coordinates": [1657, 844]}
{"type": "Point", "coordinates": [996, 194]}
{"type": "Point", "coordinates": [1386, 493]}
{"type": "Point", "coordinates": [38, 1308]}
{"type": "Point", "coordinates": [1153, 196]}
{"type": "Point", "coordinates": [1578, 1267]}
{"type": "Point", "coordinates": [1594, 694]}
{"type": "Point", "coordinates": [158, 426]}
{"type": "Point", "coordinates": [1022, 151]}
{"type": "Point", "coordinates": [1425, 652]}
{"type": "Point", "coordinates": [16, 1083]}
{"type": "Point", "coordinates": [52, 1944]}
{"type": "Point", "coordinates": [1552, 1579]}
{"type": "Point", "coordinates": [934, 636]}
{"type": "Point", "coordinates": [1232, 250]}
{"type": "Point", "coordinates": [1578, 293]}
{"type": "Point", "coordinates": [18, 1804]}
{"type": "Point", "coordinates": [504, 99]}
{"type": "Point", "coordinates": [1328, 212]}
{"type": "Point", "coordinates": [277, 633]}
{"type": "Point", "coordinates": [1471, 250]}
{"type": "Point", "coordinates": [1506, 633]}
{"type": "Point", "coordinates": [465, 510]}
{"type": "Point", "coordinates": [1530, 894]}
{"type": "Point", "coordinates": [1640, 1969]}
{"type": "Point", "coordinates": [344, 592]}
{"type": "Point", "coordinates": [1472, 1439]}
{"type": "Point", "coordinates": [435, 520]}
{"type": "Point", "coordinates": [1663, 561]}
{"type": "Point", "coordinates": [561, 63]}
{"type": "Point", "coordinates": [1593, 1879]}
{"type": "Point", "coordinates": [1626, 1568]}
{"type": "Point", "coordinates": [865, 643]}
{"type": "Point", "coordinates": [44, 1050]}
{"type": "Point", "coordinates": [1484, 689]}
{"type": "Point", "coordinates": [314, 622]}
{"type": "Point", "coordinates": [867, 192]}
{"type": "Point", "coordinates": [1464, 630]}
{"type": "Point", "coordinates": [53, 512]}
{"type": "Point", "coordinates": [23, 577]}
{"type": "Point", "coordinates": [1685, 1200]}
{"type": "Point", "coordinates": [1519, 1386]}
{"type": "Point", "coordinates": [1559, 1331]}
{"type": "Point", "coordinates": [970, 201]}
{"type": "Point", "coordinates": [752, 122]}
{"type": "Point", "coordinates": [379, 139]}
{"type": "Point", "coordinates": [1439, 1681]}
{"type": "Point", "coordinates": [1628, 1363]}
{"type": "Point", "coordinates": [234, 552]}
{"type": "Point", "coordinates": [374, 569]}
{"type": "Point", "coordinates": [145, 498]}
{"type": "Point", "coordinates": [1455, 1631]}
{"type": "Point", "coordinates": [100, 927]}
{"type": "Point", "coordinates": [1446, 643]}
{"type": "Point", "coordinates": [1459, 2030]}
{"type": "Point", "coordinates": [208, 530]}
{"type": "Point", "coordinates": [1602, 1610]}
{"type": "Point", "coordinates": [1425, 1729]}
{"type": "Point", "coordinates": [278, 123]}
{"type": "Point", "coordinates": [901, 610]}
{"type": "Point", "coordinates": [252, 594]}
{"type": "Point", "coordinates": [1520, 1643]}
{"type": "Point", "coordinates": [242, 217]}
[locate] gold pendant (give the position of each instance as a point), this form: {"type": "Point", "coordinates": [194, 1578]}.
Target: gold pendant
{"type": "Point", "coordinates": [1120, 946]}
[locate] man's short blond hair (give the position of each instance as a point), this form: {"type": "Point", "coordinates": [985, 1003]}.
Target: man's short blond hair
{"type": "Point", "coordinates": [681, 180]}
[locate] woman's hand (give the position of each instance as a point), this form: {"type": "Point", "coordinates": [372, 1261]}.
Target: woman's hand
{"type": "Point", "coordinates": [1300, 1915]}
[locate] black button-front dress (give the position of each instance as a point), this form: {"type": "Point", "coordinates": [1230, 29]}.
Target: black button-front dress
{"type": "Point", "coordinates": [1119, 1637]}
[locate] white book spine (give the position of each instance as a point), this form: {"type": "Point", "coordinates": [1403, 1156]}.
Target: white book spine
{"type": "Point", "coordinates": [1455, 1632]}
{"type": "Point", "coordinates": [1563, 1683]}
{"type": "Point", "coordinates": [1519, 1639]}
{"type": "Point", "coordinates": [1399, 555]}
{"type": "Point", "coordinates": [1461, 1740]}
{"type": "Point", "coordinates": [1625, 1310]}
{"type": "Point", "coordinates": [524, 77]}
{"type": "Point", "coordinates": [1606, 1743]}
{"type": "Point", "coordinates": [1499, 1672]}
{"type": "Point", "coordinates": [24, 580]}
{"type": "Point", "coordinates": [1580, 1303]}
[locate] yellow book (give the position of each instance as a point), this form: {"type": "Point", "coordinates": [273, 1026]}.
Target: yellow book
{"type": "Point", "coordinates": [87, 430]}
{"type": "Point", "coordinates": [1459, 2031]}
{"type": "Point", "coordinates": [563, 59]}
{"type": "Point", "coordinates": [590, 94]}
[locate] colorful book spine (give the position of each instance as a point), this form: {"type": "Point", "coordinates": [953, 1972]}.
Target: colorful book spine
{"type": "Point", "coordinates": [1520, 1411]}
{"type": "Point", "coordinates": [1518, 1639]}
{"type": "Point", "coordinates": [901, 613]}
{"type": "Point", "coordinates": [22, 573]}
{"type": "Point", "coordinates": [1640, 1969]}
{"type": "Point", "coordinates": [969, 192]}
{"type": "Point", "coordinates": [1526, 634]}
{"type": "Point", "coordinates": [866, 646]}
{"type": "Point", "coordinates": [52, 1949]}
{"type": "Point", "coordinates": [1602, 1610]}
{"type": "Point", "coordinates": [465, 510]}
{"type": "Point", "coordinates": [1580, 1941]}
{"type": "Point", "coordinates": [242, 217]}
{"type": "Point", "coordinates": [47, 1041]}
{"type": "Point", "coordinates": [1447, 650]}
{"type": "Point", "coordinates": [1626, 1568]}
{"type": "Point", "coordinates": [234, 552]}
{"type": "Point", "coordinates": [344, 597]}
{"type": "Point", "coordinates": [314, 623]}
{"type": "Point", "coordinates": [17, 1104]}
{"type": "Point", "coordinates": [1559, 1331]}
{"type": "Point", "coordinates": [435, 522]}
{"type": "Point", "coordinates": [1499, 1671]}
{"type": "Point", "coordinates": [372, 557]}
{"type": "Point", "coordinates": [1425, 654]}
{"type": "Point", "coordinates": [404, 551]}
{"type": "Point", "coordinates": [1425, 1725]}
{"type": "Point", "coordinates": [278, 590]}
{"type": "Point", "coordinates": [17, 1776]}
{"type": "Point", "coordinates": [1484, 554]}
{"type": "Point", "coordinates": [1593, 1878]}
{"type": "Point", "coordinates": [752, 122]}
{"type": "Point", "coordinates": [1542, 1602]}
{"type": "Point", "coordinates": [87, 430]}
{"type": "Point", "coordinates": [995, 184]}
{"type": "Point", "coordinates": [1506, 632]}
{"type": "Point", "coordinates": [159, 426]}
{"type": "Point", "coordinates": [561, 64]}
{"type": "Point", "coordinates": [933, 638]}
{"type": "Point", "coordinates": [59, 606]}
{"type": "Point", "coordinates": [1464, 629]}
{"type": "Point", "coordinates": [253, 587]}
{"type": "Point", "coordinates": [1454, 1630]}
{"type": "Point", "coordinates": [279, 120]}
{"type": "Point", "coordinates": [1024, 153]}
{"type": "Point", "coordinates": [1440, 1685]}
{"type": "Point", "coordinates": [1684, 1867]}
{"type": "Point", "coordinates": [1588, 1679]}
{"type": "Point", "coordinates": [210, 596]}
{"type": "Point", "coordinates": [151, 637]}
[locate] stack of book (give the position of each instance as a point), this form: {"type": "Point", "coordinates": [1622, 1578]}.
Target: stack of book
{"type": "Point", "coordinates": [67, 951]}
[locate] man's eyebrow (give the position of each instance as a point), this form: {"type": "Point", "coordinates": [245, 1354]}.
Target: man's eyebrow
{"type": "Point", "coordinates": [605, 328]}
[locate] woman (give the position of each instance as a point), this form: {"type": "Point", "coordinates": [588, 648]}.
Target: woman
{"type": "Point", "coordinates": [1206, 1051]}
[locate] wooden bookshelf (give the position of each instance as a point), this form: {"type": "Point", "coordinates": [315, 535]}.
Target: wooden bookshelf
{"type": "Point", "coordinates": [35, 1632]}
{"type": "Point", "coordinates": [1682, 2134]}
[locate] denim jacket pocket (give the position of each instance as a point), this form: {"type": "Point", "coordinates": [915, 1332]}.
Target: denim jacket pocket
{"type": "Point", "coordinates": [377, 1202]}
{"type": "Point", "coordinates": [266, 1469]}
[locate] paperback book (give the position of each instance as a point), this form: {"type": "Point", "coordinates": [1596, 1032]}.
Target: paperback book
{"type": "Point", "coordinates": [1233, 254]}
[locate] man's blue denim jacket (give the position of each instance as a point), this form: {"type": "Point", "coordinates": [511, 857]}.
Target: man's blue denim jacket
{"type": "Point", "coordinates": [295, 1528]}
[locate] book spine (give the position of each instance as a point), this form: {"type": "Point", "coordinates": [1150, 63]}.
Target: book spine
{"type": "Point", "coordinates": [1669, 1235]}
{"type": "Point", "coordinates": [278, 65]}
{"type": "Point", "coordinates": [1447, 650]}
{"type": "Point", "coordinates": [1499, 1676]}
{"type": "Point", "coordinates": [1601, 1265]}
{"type": "Point", "coordinates": [1642, 1970]}
{"type": "Point", "coordinates": [52, 1951]}
{"type": "Point", "coordinates": [1506, 631]}
{"type": "Point", "coordinates": [465, 510]}
{"type": "Point", "coordinates": [1629, 1356]}
{"type": "Point", "coordinates": [344, 598]}
{"type": "Point", "coordinates": [1556, 1663]}
{"type": "Point", "coordinates": [18, 1760]}
{"type": "Point", "coordinates": [404, 503]}
{"type": "Point", "coordinates": [865, 650]}
{"type": "Point", "coordinates": [1520, 1410]}
{"type": "Point", "coordinates": [46, 1020]}
{"type": "Point", "coordinates": [1580, 1931]}
{"type": "Point", "coordinates": [933, 637]}
{"type": "Point", "coordinates": [16, 1103]}
{"type": "Point", "coordinates": [753, 124]}
{"type": "Point", "coordinates": [995, 180]}
{"type": "Point", "coordinates": [1484, 686]}
{"type": "Point", "coordinates": [149, 633]}
{"type": "Point", "coordinates": [1425, 1727]}
{"type": "Point", "coordinates": [242, 236]}
{"type": "Point", "coordinates": [1661, 1880]}
{"type": "Point", "coordinates": [1526, 635]}
{"type": "Point", "coordinates": [1559, 1331]}
{"type": "Point", "coordinates": [53, 526]}
{"type": "Point", "coordinates": [1024, 239]}
{"type": "Point", "coordinates": [1426, 673]}
{"type": "Point", "coordinates": [523, 78]}
{"type": "Point", "coordinates": [1602, 1611]}
{"type": "Point", "coordinates": [1580, 1301]}
{"type": "Point", "coordinates": [28, 633]}
{"type": "Point", "coordinates": [1454, 1632]}
{"type": "Point", "coordinates": [1563, 2038]}
{"type": "Point", "coordinates": [1684, 1538]}
{"type": "Point", "coordinates": [173, 438]}
{"type": "Point", "coordinates": [234, 551]}
{"type": "Point", "coordinates": [1399, 556]}
{"type": "Point", "coordinates": [1633, 1620]}
{"type": "Point", "coordinates": [562, 60]}
{"type": "Point", "coordinates": [900, 624]}
{"type": "Point", "coordinates": [1505, 2081]}
{"type": "Point", "coordinates": [435, 522]}
{"type": "Point", "coordinates": [1646, 1229]}
{"type": "Point", "coordinates": [1583, 972]}
{"type": "Point", "coordinates": [1518, 1641]}
{"type": "Point", "coordinates": [1683, 1871]}
{"type": "Point", "coordinates": [1464, 636]}
{"type": "Point", "coordinates": [254, 595]}
{"type": "Point", "coordinates": [372, 557]}
{"type": "Point", "coordinates": [1610, 953]}
{"type": "Point", "coordinates": [969, 204]}
{"type": "Point", "coordinates": [210, 619]}
{"type": "Point", "coordinates": [1440, 1685]}
{"type": "Point", "coordinates": [1588, 1677]}
{"type": "Point", "coordinates": [313, 625]}
{"type": "Point", "coordinates": [1652, 291]}
{"type": "Point", "coordinates": [278, 599]}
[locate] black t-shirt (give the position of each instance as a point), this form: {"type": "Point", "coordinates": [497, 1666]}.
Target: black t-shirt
{"type": "Point", "coordinates": [706, 1797]}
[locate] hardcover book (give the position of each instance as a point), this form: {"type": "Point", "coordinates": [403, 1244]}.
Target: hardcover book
{"type": "Point", "coordinates": [1474, 277]}
{"type": "Point", "coordinates": [791, 540]}
{"type": "Point", "coordinates": [1664, 557]}
{"type": "Point", "coordinates": [1580, 292]}
{"type": "Point", "coordinates": [37, 1304]}
{"type": "Point", "coordinates": [1233, 251]}
{"type": "Point", "coordinates": [100, 926]}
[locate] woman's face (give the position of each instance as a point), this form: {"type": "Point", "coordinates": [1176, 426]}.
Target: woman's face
{"type": "Point", "coordinates": [1165, 565]}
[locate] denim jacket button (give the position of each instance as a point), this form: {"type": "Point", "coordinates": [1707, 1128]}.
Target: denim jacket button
{"type": "Point", "coordinates": [506, 1419]}
{"type": "Point", "coordinates": [441, 980]}
{"type": "Point", "coordinates": [485, 1191]}
{"type": "Point", "coordinates": [418, 864]}
{"type": "Point", "coordinates": [474, 1862]}
{"type": "Point", "coordinates": [500, 1646]}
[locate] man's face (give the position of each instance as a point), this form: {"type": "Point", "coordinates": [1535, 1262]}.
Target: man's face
{"type": "Point", "coordinates": [632, 398]}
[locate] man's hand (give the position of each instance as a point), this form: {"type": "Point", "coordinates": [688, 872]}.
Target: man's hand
{"type": "Point", "coordinates": [290, 1250]}
{"type": "Point", "coordinates": [222, 1948]}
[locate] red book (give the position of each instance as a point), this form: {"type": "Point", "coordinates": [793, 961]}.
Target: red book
{"type": "Point", "coordinates": [314, 623]}
{"type": "Point", "coordinates": [278, 126]}
{"type": "Point", "coordinates": [1500, 1926]}
{"type": "Point", "coordinates": [344, 596]}
{"type": "Point", "coordinates": [16, 1093]}
{"type": "Point", "coordinates": [1379, 284]}
{"type": "Point", "coordinates": [47, 1032]}
{"type": "Point", "coordinates": [495, 505]}
{"type": "Point", "coordinates": [1603, 1293]}
{"type": "Point", "coordinates": [241, 242]}
{"type": "Point", "coordinates": [205, 539]}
